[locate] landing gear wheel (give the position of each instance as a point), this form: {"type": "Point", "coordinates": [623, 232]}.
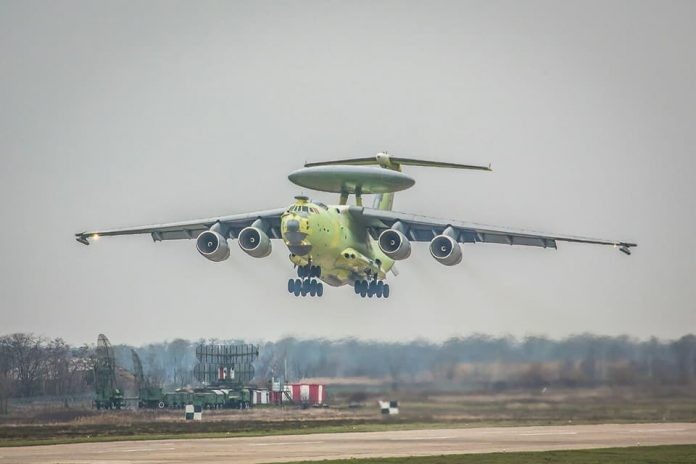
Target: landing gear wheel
{"type": "Point", "coordinates": [291, 285]}
{"type": "Point", "coordinates": [385, 291]}
{"type": "Point", "coordinates": [312, 287]}
{"type": "Point", "coordinates": [380, 289]}
{"type": "Point", "coordinates": [298, 287]}
{"type": "Point", "coordinates": [320, 289]}
{"type": "Point", "coordinates": [371, 289]}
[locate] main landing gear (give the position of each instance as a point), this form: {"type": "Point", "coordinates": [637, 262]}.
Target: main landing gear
{"type": "Point", "coordinates": [306, 284]}
{"type": "Point", "coordinates": [372, 288]}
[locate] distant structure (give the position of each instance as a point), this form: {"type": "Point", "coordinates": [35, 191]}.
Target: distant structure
{"type": "Point", "coordinates": [389, 407]}
{"type": "Point", "coordinates": [149, 395]}
{"type": "Point", "coordinates": [107, 393]}
{"type": "Point", "coordinates": [225, 373]}
{"type": "Point", "coordinates": [225, 366]}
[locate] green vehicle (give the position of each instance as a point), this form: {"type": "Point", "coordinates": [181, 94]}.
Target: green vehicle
{"type": "Point", "coordinates": [112, 400]}
{"type": "Point", "coordinates": [207, 399]}
{"type": "Point", "coordinates": [151, 397]}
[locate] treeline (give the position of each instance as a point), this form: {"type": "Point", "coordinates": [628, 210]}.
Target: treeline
{"type": "Point", "coordinates": [482, 361]}
{"type": "Point", "coordinates": [476, 361]}
{"type": "Point", "coordinates": [33, 366]}
{"type": "Point", "coordinates": [36, 366]}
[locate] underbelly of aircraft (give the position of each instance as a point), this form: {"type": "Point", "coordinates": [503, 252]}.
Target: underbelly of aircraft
{"type": "Point", "coordinates": [339, 266]}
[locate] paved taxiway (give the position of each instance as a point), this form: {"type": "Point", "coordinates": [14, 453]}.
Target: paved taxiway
{"type": "Point", "coordinates": [250, 450]}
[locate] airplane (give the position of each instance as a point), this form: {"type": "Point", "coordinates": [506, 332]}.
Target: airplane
{"type": "Point", "coordinates": [346, 244]}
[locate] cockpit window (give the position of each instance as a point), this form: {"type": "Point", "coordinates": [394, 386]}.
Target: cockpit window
{"type": "Point", "coordinates": [305, 209]}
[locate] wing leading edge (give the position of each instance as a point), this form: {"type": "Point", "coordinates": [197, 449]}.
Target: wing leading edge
{"type": "Point", "coordinates": [229, 225]}
{"type": "Point", "coordinates": [423, 229]}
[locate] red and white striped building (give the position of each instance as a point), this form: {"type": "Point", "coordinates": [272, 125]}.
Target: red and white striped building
{"type": "Point", "coordinates": [313, 394]}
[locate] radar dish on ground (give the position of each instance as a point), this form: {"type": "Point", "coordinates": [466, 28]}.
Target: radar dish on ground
{"type": "Point", "coordinates": [351, 179]}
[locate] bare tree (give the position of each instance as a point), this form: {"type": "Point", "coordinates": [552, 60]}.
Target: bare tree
{"type": "Point", "coordinates": [178, 350]}
{"type": "Point", "coordinates": [6, 380]}
{"type": "Point", "coordinates": [26, 351]}
{"type": "Point", "coordinates": [685, 351]}
{"type": "Point", "coordinates": [65, 368]}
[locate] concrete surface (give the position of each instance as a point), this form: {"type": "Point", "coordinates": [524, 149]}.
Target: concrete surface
{"type": "Point", "coordinates": [282, 448]}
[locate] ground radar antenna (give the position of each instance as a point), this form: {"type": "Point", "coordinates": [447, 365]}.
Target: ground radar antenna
{"type": "Point", "coordinates": [108, 395]}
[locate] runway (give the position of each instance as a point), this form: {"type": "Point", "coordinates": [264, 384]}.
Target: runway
{"type": "Point", "coordinates": [283, 448]}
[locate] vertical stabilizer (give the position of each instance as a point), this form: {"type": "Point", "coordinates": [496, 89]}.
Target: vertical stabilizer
{"type": "Point", "coordinates": [384, 201]}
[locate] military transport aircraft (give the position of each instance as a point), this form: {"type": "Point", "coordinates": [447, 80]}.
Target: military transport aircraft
{"type": "Point", "coordinates": [346, 244]}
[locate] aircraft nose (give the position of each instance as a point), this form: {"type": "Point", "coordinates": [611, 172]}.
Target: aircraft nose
{"type": "Point", "coordinates": [292, 225]}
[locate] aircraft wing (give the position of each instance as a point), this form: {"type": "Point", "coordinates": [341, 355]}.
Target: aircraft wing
{"type": "Point", "coordinates": [230, 225]}
{"type": "Point", "coordinates": [423, 229]}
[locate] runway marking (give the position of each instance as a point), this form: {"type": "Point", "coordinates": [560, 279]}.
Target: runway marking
{"type": "Point", "coordinates": [419, 438]}
{"type": "Point", "coordinates": [534, 434]}
{"type": "Point", "coordinates": [492, 432]}
{"type": "Point", "coordinates": [655, 430]}
{"type": "Point", "coordinates": [286, 443]}
{"type": "Point", "coordinates": [134, 450]}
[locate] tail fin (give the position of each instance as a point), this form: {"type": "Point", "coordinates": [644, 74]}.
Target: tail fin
{"type": "Point", "coordinates": [384, 201]}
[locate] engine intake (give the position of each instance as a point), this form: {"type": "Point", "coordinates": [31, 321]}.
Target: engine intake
{"type": "Point", "coordinates": [446, 250]}
{"type": "Point", "coordinates": [255, 242]}
{"type": "Point", "coordinates": [213, 246]}
{"type": "Point", "coordinates": [394, 244]}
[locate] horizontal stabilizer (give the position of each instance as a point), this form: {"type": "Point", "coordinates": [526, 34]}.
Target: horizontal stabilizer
{"type": "Point", "coordinates": [345, 162]}
{"type": "Point", "coordinates": [438, 164]}
{"type": "Point", "coordinates": [393, 162]}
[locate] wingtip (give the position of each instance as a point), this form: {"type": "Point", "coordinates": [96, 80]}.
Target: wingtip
{"type": "Point", "coordinates": [625, 248]}
{"type": "Point", "coordinates": [82, 239]}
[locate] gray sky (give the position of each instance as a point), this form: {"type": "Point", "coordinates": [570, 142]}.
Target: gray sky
{"type": "Point", "coordinates": [126, 113]}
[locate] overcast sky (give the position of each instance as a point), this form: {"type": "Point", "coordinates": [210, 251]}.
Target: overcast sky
{"type": "Point", "coordinates": [127, 113]}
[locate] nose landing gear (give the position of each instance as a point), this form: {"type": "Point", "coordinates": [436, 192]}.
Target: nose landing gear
{"type": "Point", "coordinates": [308, 271]}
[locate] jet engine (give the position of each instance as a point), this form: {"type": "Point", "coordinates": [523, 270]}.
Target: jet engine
{"type": "Point", "coordinates": [255, 242]}
{"type": "Point", "coordinates": [446, 250]}
{"type": "Point", "coordinates": [213, 246]}
{"type": "Point", "coordinates": [394, 244]}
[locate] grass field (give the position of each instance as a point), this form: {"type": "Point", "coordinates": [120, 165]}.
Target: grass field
{"type": "Point", "coordinates": [675, 454]}
{"type": "Point", "coordinates": [31, 425]}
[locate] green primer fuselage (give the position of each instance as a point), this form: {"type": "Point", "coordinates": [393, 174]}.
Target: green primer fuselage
{"type": "Point", "coordinates": [329, 237]}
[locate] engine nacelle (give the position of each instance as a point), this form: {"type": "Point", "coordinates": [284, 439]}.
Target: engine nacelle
{"type": "Point", "coordinates": [394, 244]}
{"type": "Point", "coordinates": [446, 250]}
{"type": "Point", "coordinates": [213, 246]}
{"type": "Point", "coordinates": [255, 242]}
